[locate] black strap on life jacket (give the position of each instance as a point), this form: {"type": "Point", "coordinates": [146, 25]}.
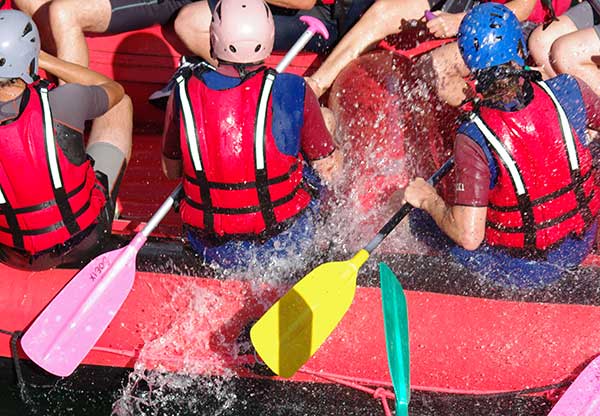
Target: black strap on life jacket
{"type": "Point", "coordinates": [192, 140]}
{"type": "Point", "coordinates": [260, 160]}
{"type": "Point", "coordinates": [51, 145]}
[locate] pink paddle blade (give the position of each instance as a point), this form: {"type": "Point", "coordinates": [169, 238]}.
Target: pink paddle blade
{"type": "Point", "coordinates": [582, 398]}
{"type": "Point", "coordinates": [64, 333]}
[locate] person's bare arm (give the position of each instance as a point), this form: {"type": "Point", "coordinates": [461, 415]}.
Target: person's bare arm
{"type": "Point", "coordinates": [446, 25]}
{"type": "Point", "coordinates": [465, 225]}
{"type": "Point", "coordinates": [329, 168]}
{"type": "Point", "coordinates": [73, 73]}
{"type": "Point", "coordinates": [294, 4]}
{"type": "Point", "coordinates": [172, 168]}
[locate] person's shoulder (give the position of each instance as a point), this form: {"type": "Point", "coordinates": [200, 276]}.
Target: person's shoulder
{"type": "Point", "coordinates": [563, 82]}
{"type": "Point", "coordinates": [290, 78]}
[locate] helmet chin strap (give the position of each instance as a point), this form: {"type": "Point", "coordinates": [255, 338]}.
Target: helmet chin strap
{"type": "Point", "coordinates": [241, 68]}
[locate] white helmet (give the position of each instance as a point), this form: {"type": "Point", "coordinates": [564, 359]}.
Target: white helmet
{"type": "Point", "coordinates": [19, 46]}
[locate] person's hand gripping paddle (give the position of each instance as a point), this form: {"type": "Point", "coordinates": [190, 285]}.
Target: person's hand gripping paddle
{"type": "Point", "coordinates": [65, 332]}
{"type": "Point", "coordinates": [292, 330]}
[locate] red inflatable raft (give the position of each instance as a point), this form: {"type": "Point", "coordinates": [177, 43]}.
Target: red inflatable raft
{"type": "Point", "coordinates": [475, 349]}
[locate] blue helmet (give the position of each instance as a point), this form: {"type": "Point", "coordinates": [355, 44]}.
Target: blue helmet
{"type": "Point", "coordinates": [490, 35]}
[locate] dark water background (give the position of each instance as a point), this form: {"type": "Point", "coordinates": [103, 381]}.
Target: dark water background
{"type": "Point", "coordinates": [94, 391]}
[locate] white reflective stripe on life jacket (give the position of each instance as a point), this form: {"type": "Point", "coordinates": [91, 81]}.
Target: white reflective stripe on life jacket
{"type": "Point", "coordinates": [261, 121]}
{"type": "Point", "coordinates": [50, 140]}
{"type": "Point", "coordinates": [190, 124]}
{"type": "Point", "coordinates": [565, 127]}
{"type": "Point", "coordinates": [502, 153]}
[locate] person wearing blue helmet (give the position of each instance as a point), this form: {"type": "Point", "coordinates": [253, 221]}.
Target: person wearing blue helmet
{"type": "Point", "coordinates": [526, 201]}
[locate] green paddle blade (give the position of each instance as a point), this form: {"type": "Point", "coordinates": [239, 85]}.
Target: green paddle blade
{"type": "Point", "coordinates": [294, 328]}
{"type": "Point", "coordinates": [395, 320]}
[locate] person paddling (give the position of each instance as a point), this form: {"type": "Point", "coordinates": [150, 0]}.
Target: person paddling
{"type": "Point", "coordinates": [56, 195]}
{"type": "Point", "coordinates": [240, 137]}
{"type": "Point", "coordinates": [441, 66]}
{"type": "Point", "coordinates": [526, 202]}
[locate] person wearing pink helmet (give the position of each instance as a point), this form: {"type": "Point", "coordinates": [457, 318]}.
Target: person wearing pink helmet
{"type": "Point", "coordinates": [247, 141]}
{"type": "Point", "coordinates": [192, 23]}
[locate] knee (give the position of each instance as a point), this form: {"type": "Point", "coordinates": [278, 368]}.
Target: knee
{"type": "Point", "coordinates": [384, 12]}
{"type": "Point", "coordinates": [127, 104]}
{"type": "Point", "coordinates": [190, 20]}
{"type": "Point", "coordinates": [562, 56]}
{"type": "Point", "coordinates": [539, 45]}
{"type": "Point", "coordinates": [63, 14]}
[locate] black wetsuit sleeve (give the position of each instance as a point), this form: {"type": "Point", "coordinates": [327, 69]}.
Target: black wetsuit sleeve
{"type": "Point", "coordinates": [73, 104]}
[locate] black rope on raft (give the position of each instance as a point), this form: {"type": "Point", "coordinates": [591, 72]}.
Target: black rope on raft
{"type": "Point", "coordinates": [15, 336]}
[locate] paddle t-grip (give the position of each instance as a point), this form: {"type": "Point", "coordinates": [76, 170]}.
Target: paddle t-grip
{"type": "Point", "coordinates": [406, 208]}
{"type": "Point", "coordinates": [429, 15]}
{"type": "Point", "coordinates": [314, 26]}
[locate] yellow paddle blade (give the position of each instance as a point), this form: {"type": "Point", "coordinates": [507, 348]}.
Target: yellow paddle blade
{"type": "Point", "coordinates": [294, 328]}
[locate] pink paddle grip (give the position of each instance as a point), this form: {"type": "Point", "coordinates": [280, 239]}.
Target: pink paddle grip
{"type": "Point", "coordinates": [315, 26]}
{"type": "Point", "coordinates": [429, 15]}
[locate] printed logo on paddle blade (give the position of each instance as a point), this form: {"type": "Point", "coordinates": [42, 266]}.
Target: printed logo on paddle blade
{"type": "Point", "coordinates": [97, 271]}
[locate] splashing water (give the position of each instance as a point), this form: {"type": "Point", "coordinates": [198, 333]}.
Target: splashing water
{"type": "Point", "coordinates": [191, 367]}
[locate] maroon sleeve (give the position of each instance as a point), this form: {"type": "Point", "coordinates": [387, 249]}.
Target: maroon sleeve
{"type": "Point", "coordinates": [170, 144]}
{"type": "Point", "coordinates": [316, 141]}
{"type": "Point", "coordinates": [472, 173]}
{"type": "Point", "coordinates": [73, 104]}
{"type": "Point", "coordinates": [592, 105]}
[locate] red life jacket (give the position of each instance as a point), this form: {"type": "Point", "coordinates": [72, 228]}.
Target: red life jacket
{"type": "Point", "coordinates": [545, 189]}
{"type": "Point", "coordinates": [44, 199]}
{"type": "Point", "coordinates": [236, 181]}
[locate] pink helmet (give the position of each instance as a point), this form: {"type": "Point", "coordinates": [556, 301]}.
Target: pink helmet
{"type": "Point", "coordinates": [242, 31]}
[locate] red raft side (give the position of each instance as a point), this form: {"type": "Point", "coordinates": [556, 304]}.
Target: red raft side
{"type": "Point", "coordinates": [458, 344]}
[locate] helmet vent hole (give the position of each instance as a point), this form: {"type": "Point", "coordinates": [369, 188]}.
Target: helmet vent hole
{"type": "Point", "coordinates": [495, 25]}
{"type": "Point", "coordinates": [498, 37]}
{"type": "Point", "coordinates": [28, 28]}
{"type": "Point", "coordinates": [257, 47]}
{"type": "Point", "coordinates": [476, 44]}
{"type": "Point", "coordinates": [2, 61]}
{"type": "Point", "coordinates": [232, 48]}
{"type": "Point", "coordinates": [243, 6]}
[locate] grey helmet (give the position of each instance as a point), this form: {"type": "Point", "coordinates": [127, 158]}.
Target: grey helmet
{"type": "Point", "coordinates": [19, 46]}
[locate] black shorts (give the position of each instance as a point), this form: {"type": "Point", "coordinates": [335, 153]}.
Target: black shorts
{"type": "Point", "coordinates": [127, 15]}
{"type": "Point", "coordinates": [82, 247]}
{"type": "Point", "coordinates": [584, 16]}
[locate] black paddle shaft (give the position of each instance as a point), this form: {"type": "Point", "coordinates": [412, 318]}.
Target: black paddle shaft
{"type": "Point", "coordinates": [406, 208]}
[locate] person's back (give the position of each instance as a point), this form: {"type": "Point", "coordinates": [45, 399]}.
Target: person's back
{"type": "Point", "coordinates": [57, 206]}
{"type": "Point", "coordinates": [541, 174]}
{"type": "Point", "coordinates": [239, 136]}
{"type": "Point", "coordinates": [526, 200]}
